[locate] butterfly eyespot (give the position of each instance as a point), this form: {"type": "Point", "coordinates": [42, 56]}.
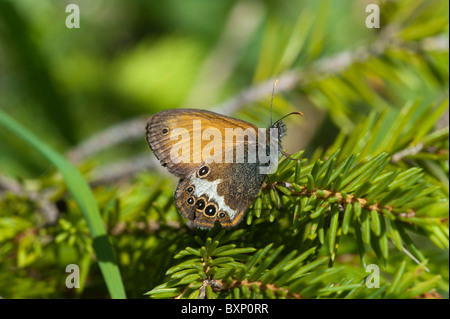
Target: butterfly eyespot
{"type": "Point", "coordinates": [210, 210]}
{"type": "Point", "coordinates": [203, 171]}
{"type": "Point", "coordinates": [191, 200]}
{"type": "Point", "coordinates": [200, 204]}
{"type": "Point", "coordinates": [222, 215]}
{"type": "Point", "coordinates": [165, 131]}
{"type": "Point", "coordinates": [190, 189]}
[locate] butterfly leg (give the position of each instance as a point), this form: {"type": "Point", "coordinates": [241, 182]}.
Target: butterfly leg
{"type": "Point", "coordinates": [288, 155]}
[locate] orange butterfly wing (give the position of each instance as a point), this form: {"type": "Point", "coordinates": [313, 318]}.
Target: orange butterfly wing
{"type": "Point", "coordinates": [163, 136]}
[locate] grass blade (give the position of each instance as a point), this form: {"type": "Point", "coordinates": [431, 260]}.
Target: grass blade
{"type": "Point", "coordinates": [85, 200]}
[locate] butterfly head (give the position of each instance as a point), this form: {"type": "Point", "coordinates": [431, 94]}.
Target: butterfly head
{"type": "Point", "coordinates": [281, 127]}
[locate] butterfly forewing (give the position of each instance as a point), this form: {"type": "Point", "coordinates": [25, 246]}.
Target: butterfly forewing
{"type": "Point", "coordinates": [162, 136]}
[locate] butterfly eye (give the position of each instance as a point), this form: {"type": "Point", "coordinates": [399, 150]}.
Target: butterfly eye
{"type": "Point", "coordinates": [190, 189]}
{"type": "Point", "coordinates": [203, 171]}
{"type": "Point", "coordinates": [210, 210]}
{"type": "Point", "coordinates": [190, 200]}
{"type": "Point", "coordinates": [165, 131]}
{"type": "Point", "coordinates": [200, 204]}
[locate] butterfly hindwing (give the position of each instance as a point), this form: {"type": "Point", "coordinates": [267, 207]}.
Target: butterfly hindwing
{"type": "Point", "coordinates": [218, 191]}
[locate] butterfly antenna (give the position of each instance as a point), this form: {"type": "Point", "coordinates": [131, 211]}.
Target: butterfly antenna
{"type": "Point", "coordinates": [271, 101]}
{"type": "Point", "coordinates": [288, 156]}
{"type": "Point", "coordinates": [292, 113]}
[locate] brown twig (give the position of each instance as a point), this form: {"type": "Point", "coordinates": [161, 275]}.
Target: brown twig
{"type": "Point", "coordinates": [116, 171]}
{"type": "Point", "coordinates": [125, 131]}
{"type": "Point", "coordinates": [413, 150]}
{"type": "Point", "coordinates": [326, 194]}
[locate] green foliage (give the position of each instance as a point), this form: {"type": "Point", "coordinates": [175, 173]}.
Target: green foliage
{"type": "Point", "coordinates": [368, 187]}
{"type": "Point", "coordinates": [371, 202]}
{"type": "Point", "coordinates": [224, 271]}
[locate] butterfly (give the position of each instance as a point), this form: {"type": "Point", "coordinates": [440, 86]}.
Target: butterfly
{"type": "Point", "coordinates": [215, 187]}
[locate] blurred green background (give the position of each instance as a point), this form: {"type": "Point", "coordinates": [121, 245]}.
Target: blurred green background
{"type": "Point", "coordinates": [131, 59]}
{"type": "Point", "coordinates": [135, 58]}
